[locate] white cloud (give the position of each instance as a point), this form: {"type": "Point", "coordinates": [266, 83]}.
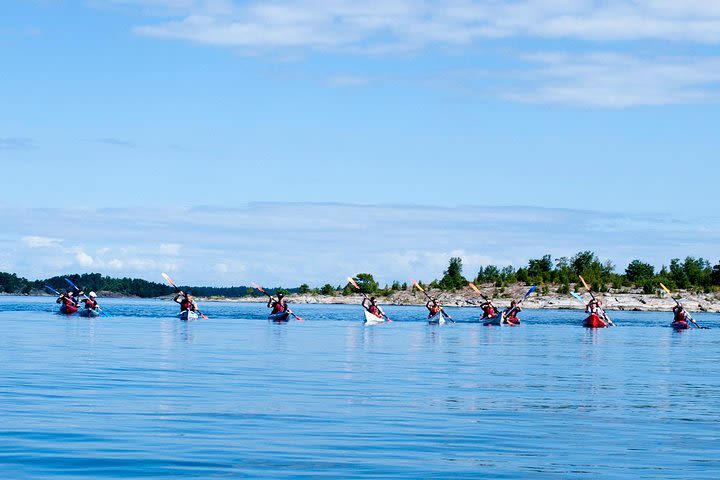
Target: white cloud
{"type": "Point", "coordinates": [392, 25]}
{"type": "Point", "coordinates": [115, 264]}
{"type": "Point", "coordinates": [618, 81]}
{"type": "Point", "coordinates": [35, 241]}
{"type": "Point", "coordinates": [170, 249]}
{"type": "Point", "coordinates": [234, 246]}
{"type": "Point", "coordinates": [83, 259]}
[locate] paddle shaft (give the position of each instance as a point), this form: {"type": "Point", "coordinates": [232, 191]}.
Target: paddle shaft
{"type": "Point", "coordinates": [605, 315]}
{"type": "Point", "coordinates": [687, 314]}
{"type": "Point", "coordinates": [430, 298]}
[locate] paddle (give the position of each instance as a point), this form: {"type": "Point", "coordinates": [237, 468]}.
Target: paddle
{"type": "Point", "coordinates": [477, 290]}
{"type": "Point", "coordinates": [443, 312]}
{"type": "Point", "coordinates": [532, 289]}
{"type": "Point", "coordinates": [299, 319]}
{"type": "Point", "coordinates": [605, 315]}
{"type": "Point", "coordinates": [102, 312]}
{"type": "Point", "coordinates": [177, 289]}
{"type": "Point", "coordinates": [50, 289]}
{"type": "Point", "coordinates": [357, 287]}
{"type": "Point", "coordinates": [578, 297]}
{"type": "Point", "coordinates": [687, 314]}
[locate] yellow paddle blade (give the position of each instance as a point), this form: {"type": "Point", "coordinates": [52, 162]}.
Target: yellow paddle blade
{"type": "Point", "coordinates": [472, 285]}
{"type": "Point", "coordinates": [168, 279]}
{"type": "Point", "coordinates": [417, 285]}
{"type": "Point", "coordinates": [667, 290]}
{"type": "Point", "coordinates": [353, 283]}
{"type": "Point", "coordinates": [584, 283]}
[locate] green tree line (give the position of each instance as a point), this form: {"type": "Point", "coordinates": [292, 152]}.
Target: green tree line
{"type": "Point", "coordinates": [692, 273]}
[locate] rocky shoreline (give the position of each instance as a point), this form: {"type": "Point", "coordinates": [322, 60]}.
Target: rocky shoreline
{"type": "Point", "coordinates": [627, 299]}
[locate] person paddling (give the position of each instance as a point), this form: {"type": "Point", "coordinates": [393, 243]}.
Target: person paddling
{"type": "Point", "coordinates": [433, 307]}
{"type": "Point", "coordinates": [370, 304]}
{"type": "Point", "coordinates": [510, 316]}
{"type": "Point", "coordinates": [489, 310]}
{"type": "Point", "coordinates": [90, 302]}
{"type": "Point", "coordinates": [69, 301]}
{"type": "Point", "coordinates": [279, 305]}
{"type": "Point", "coordinates": [186, 301]}
{"type": "Point", "coordinates": [681, 316]}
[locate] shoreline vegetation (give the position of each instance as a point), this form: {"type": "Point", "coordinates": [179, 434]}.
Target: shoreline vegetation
{"type": "Point", "coordinates": [693, 281]}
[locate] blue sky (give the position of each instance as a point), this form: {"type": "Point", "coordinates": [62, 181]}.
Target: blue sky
{"type": "Point", "coordinates": [174, 105]}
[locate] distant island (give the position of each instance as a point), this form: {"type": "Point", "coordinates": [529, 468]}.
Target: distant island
{"type": "Point", "coordinates": [637, 288]}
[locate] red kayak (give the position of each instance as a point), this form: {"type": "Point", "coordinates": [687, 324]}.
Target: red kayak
{"type": "Point", "coordinates": [680, 325]}
{"type": "Point", "coordinates": [594, 321]}
{"type": "Point", "coordinates": [68, 309]}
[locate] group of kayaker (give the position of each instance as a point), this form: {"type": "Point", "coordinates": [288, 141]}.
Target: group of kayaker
{"type": "Point", "coordinates": [71, 299]}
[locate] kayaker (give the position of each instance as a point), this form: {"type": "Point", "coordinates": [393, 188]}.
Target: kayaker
{"type": "Point", "coordinates": [373, 307]}
{"type": "Point", "coordinates": [187, 302]}
{"type": "Point", "coordinates": [90, 302]}
{"type": "Point", "coordinates": [433, 307]}
{"type": "Point", "coordinates": [511, 313]}
{"type": "Point", "coordinates": [489, 310]}
{"type": "Point", "coordinates": [68, 299]}
{"type": "Point", "coordinates": [680, 315]}
{"type": "Point", "coordinates": [279, 305]}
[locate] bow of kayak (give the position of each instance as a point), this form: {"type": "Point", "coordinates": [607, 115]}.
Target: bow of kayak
{"type": "Point", "coordinates": [437, 319]}
{"type": "Point", "coordinates": [188, 315]}
{"type": "Point", "coordinates": [68, 309]}
{"type": "Point", "coordinates": [281, 317]}
{"type": "Point", "coordinates": [372, 319]}
{"type": "Point", "coordinates": [680, 325]}
{"type": "Point", "coordinates": [594, 321]}
{"type": "Point", "coordinates": [89, 312]}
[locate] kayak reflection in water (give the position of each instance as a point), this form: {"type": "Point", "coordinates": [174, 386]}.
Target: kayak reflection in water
{"type": "Point", "coordinates": [510, 316]}
{"type": "Point", "coordinates": [371, 306]}
{"type": "Point", "coordinates": [186, 302]}
{"type": "Point", "coordinates": [489, 310]}
{"type": "Point", "coordinates": [433, 307]}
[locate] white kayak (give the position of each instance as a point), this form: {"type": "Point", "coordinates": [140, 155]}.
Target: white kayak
{"type": "Point", "coordinates": [437, 319]}
{"type": "Point", "coordinates": [279, 317]}
{"type": "Point", "coordinates": [188, 315]}
{"type": "Point", "coordinates": [89, 312]}
{"type": "Point", "coordinates": [372, 319]}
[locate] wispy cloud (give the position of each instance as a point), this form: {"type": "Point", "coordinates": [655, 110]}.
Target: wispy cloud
{"type": "Point", "coordinates": [116, 142]}
{"type": "Point", "coordinates": [36, 241]}
{"type": "Point", "coordinates": [617, 80]}
{"type": "Point", "coordinates": [17, 143]}
{"type": "Point", "coordinates": [276, 244]}
{"type": "Point", "coordinates": [392, 25]}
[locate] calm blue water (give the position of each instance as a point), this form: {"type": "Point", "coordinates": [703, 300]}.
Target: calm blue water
{"type": "Point", "coordinates": [143, 394]}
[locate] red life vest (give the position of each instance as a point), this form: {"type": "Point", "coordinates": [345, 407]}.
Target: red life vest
{"type": "Point", "coordinates": [488, 311]}
{"type": "Point", "coordinates": [374, 310]}
{"type": "Point", "coordinates": [278, 307]}
{"type": "Point", "coordinates": [434, 311]}
{"type": "Point", "coordinates": [68, 302]}
{"type": "Point", "coordinates": [90, 303]}
{"type": "Point", "coordinates": [680, 316]}
{"type": "Point", "coordinates": [187, 305]}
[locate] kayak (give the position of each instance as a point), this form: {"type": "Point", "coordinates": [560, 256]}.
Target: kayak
{"type": "Point", "coordinates": [68, 309]}
{"type": "Point", "coordinates": [89, 312]}
{"type": "Point", "coordinates": [437, 319]}
{"type": "Point", "coordinates": [494, 320]}
{"type": "Point", "coordinates": [594, 321]}
{"type": "Point", "coordinates": [371, 318]}
{"type": "Point", "coordinates": [680, 325]}
{"type": "Point", "coordinates": [281, 317]}
{"type": "Point", "coordinates": [188, 315]}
